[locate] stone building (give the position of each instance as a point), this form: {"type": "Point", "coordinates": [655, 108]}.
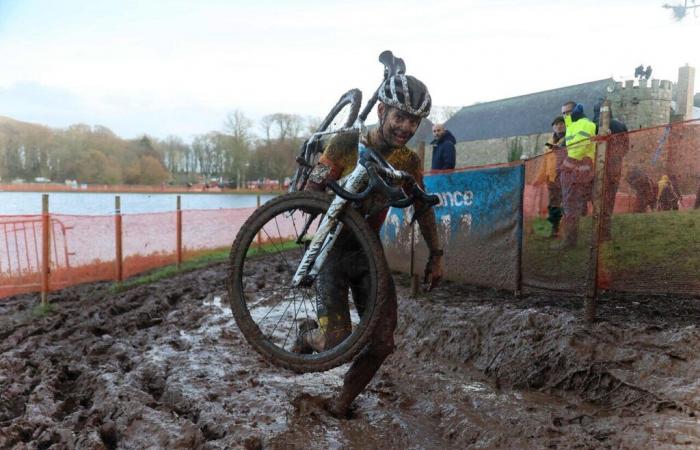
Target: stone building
{"type": "Point", "coordinates": [504, 130]}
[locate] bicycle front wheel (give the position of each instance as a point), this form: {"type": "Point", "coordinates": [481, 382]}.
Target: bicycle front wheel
{"type": "Point", "coordinates": [274, 316]}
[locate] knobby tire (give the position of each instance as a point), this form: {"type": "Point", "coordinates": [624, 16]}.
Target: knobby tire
{"type": "Point", "coordinates": [378, 269]}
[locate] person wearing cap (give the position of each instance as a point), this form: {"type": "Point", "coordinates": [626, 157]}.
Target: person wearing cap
{"type": "Point", "coordinates": [577, 168]}
{"type": "Point", "coordinates": [549, 173]}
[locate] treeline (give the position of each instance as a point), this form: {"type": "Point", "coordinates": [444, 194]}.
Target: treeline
{"type": "Point", "coordinates": [94, 154]}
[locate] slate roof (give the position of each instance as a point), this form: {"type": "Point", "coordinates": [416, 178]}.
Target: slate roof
{"type": "Point", "coordinates": [522, 115]}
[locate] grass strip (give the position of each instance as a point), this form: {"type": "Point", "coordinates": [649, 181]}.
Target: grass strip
{"type": "Point", "coordinates": [198, 262]}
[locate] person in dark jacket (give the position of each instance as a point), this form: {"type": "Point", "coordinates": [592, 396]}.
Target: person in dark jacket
{"type": "Point", "coordinates": [444, 153]}
{"type": "Point", "coordinates": [617, 148]}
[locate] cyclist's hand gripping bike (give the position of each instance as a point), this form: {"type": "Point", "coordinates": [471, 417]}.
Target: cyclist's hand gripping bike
{"type": "Point", "coordinates": [281, 251]}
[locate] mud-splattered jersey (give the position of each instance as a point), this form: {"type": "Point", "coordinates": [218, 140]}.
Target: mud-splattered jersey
{"type": "Point", "coordinates": [340, 156]}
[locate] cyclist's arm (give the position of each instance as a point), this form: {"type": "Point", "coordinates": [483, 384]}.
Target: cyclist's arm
{"type": "Point", "coordinates": [339, 154]}
{"type": "Point", "coordinates": [428, 228]}
{"type": "Point", "coordinates": [426, 220]}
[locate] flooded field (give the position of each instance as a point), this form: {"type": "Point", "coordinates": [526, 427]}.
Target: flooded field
{"type": "Point", "coordinates": [164, 366]}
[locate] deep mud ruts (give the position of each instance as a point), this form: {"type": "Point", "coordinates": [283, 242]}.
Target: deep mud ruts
{"type": "Point", "coordinates": [164, 366]}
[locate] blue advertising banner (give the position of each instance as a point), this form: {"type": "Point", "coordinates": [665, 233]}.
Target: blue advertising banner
{"type": "Point", "coordinates": [479, 226]}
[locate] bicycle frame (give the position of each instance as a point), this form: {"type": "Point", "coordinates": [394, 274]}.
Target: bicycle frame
{"type": "Point", "coordinates": [329, 229]}
{"type": "Point", "coordinates": [369, 170]}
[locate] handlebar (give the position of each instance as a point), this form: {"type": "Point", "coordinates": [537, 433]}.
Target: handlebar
{"type": "Point", "coordinates": [377, 166]}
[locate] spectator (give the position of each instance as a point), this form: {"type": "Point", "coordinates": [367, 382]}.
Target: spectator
{"type": "Point", "coordinates": [667, 197]}
{"type": "Point", "coordinates": [617, 148]}
{"type": "Point", "coordinates": [644, 188]}
{"type": "Point", "coordinates": [444, 154]}
{"type": "Point", "coordinates": [697, 196]}
{"type": "Point", "coordinates": [549, 173]}
{"type": "Point", "coordinates": [577, 169]}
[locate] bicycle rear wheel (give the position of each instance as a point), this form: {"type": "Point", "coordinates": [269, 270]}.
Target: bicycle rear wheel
{"type": "Point", "coordinates": [270, 312]}
{"type": "Point", "coordinates": [342, 115]}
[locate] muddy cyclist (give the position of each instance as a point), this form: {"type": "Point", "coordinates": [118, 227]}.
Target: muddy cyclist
{"type": "Point", "coordinates": [403, 102]}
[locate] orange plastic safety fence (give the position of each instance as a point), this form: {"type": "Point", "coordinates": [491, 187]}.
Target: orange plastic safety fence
{"type": "Point", "coordinates": [148, 241]}
{"type": "Point", "coordinates": [649, 227]}
{"type": "Point", "coordinates": [211, 229]}
{"type": "Point", "coordinates": [88, 244]}
{"type": "Point", "coordinates": [650, 232]}
{"type": "Point", "coordinates": [84, 248]}
{"type": "Point", "coordinates": [549, 261]}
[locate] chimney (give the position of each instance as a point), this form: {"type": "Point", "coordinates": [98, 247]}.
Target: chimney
{"type": "Point", "coordinates": [685, 92]}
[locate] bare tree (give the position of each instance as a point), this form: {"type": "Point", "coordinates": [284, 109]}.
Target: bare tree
{"type": "Point", "coordinates": [237, 125]}
{"type": "Point", "coordinates": [312, 124]}
{"type": "Point", "coordinates": [282, 126]}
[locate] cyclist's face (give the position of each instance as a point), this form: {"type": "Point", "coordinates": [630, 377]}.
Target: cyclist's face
{"type": "Point", "coordinates": [399, 127]}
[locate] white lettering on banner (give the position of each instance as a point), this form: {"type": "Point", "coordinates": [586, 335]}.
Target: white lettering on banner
{"type": "Point", "coordinates": [456, 198]}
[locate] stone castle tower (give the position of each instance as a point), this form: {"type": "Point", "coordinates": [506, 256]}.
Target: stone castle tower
{"type": "Point", "coordinates": [641, 104]}
{"type": "Point", "coordinates": [644, 103]}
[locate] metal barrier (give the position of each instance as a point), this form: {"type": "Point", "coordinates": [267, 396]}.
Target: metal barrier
{"type": "Point", "coordinates": [21, 250]}
{"type": "Point", "coordinates": [51, 251]}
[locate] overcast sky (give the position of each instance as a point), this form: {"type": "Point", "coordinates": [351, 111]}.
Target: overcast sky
{"type": "Point", "coordinates": [178, 67]}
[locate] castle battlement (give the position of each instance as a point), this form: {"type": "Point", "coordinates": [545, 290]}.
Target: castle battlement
{"type": "Point", "coordinates": [643, 90]}
{"type": "Point", "coordinates": [642, 103]}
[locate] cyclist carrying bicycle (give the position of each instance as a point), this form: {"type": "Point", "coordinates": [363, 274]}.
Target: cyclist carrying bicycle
{"type": "Point", "coordinates": [403, 102]}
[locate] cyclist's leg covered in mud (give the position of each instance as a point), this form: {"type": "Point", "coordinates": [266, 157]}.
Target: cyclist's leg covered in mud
{"type": "Point", "coordinates": [332, 308]}
{"type": "Point", "coordinates": [348, 268]}
{"type": "Point", "coordinates": [345, 269]}
{"type": "Point", "coordinates": [367, 363]}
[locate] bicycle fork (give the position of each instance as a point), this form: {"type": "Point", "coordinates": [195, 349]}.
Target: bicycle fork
{"type": "Point", "coordinates": [328, 232]}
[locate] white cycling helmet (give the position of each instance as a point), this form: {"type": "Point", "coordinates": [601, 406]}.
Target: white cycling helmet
{"type": "Point", "coordinates": [406, 93]}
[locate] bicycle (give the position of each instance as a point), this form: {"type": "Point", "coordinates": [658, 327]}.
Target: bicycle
{"type": "Point", "coordinates": [275, 278]}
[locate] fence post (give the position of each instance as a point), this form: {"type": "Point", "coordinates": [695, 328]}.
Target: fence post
{"type": "Point", "coordinates": [415, 279]}
{"type": "Point", "coordinates": [598, 194]}
{"type": "Point", "coordinates": [178, 232]}
{"type": "Point", "coordinates": [118, 237]}
{"type": "Point", "coordinates": [45, 254]}
{"type": "Point", "coordinates": [520, 232]}
{"type": "Point", "coordinates": [258, 237]}
{"type": "Point", "coordinates": [421, 155]}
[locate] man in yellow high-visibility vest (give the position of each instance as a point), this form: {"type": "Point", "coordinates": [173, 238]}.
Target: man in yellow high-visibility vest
{"type": "Point", "coordinates": [577, 169]}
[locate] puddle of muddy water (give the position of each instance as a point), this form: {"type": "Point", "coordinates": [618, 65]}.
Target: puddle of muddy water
{"type": "Point", "coordinates": [165, 366]}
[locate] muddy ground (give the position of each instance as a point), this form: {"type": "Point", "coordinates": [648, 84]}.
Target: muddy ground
{"type": "Point", "coordinates": [164, 366]}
